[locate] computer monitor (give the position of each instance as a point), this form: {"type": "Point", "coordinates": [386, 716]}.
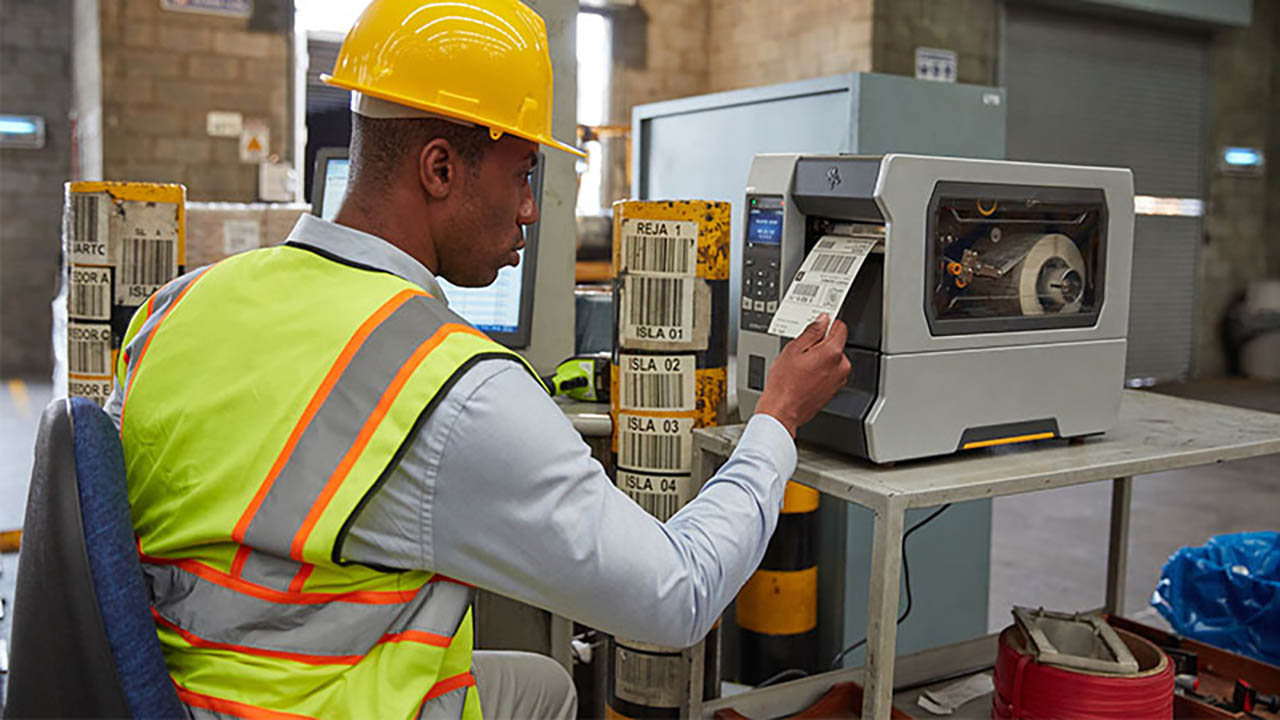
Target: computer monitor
{"type": "Point", "coordinates": [503, 309]}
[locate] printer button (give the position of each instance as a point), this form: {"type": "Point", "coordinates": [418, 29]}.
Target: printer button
{"type": "Point", "coordinates": [759, 306]}
{"type": "Point", "coordinates": [771, 306]}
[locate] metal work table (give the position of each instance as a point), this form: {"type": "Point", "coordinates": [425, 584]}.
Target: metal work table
{"type": "Point", "coordinates": [1154, 433]}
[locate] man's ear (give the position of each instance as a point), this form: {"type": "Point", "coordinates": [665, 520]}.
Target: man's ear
{"type": "Point", "coordinates": [439, 168]}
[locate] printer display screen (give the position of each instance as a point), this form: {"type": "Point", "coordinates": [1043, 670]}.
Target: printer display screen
{"type": "Point", "coordinates": [764, 226]}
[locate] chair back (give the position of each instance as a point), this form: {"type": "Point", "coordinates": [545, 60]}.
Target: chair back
{"type": "Point", "coordinates": [84, 642]}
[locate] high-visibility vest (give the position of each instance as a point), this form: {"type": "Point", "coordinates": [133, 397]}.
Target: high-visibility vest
{"type": "Point", "coordinates": [266, 399]}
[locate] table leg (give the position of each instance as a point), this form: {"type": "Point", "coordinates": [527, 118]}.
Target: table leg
{"type": "Point", "coordinates": [882, 611]}
{"type": "Point", "coordinates": [1118, 550]}
{"type": "Point", "coordinates": [705, 464]}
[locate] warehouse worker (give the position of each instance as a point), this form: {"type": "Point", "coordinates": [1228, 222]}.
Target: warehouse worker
{"type": "Point", "coordinates": [324, 461]}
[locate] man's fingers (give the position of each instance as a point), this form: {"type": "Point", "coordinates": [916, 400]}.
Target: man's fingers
{"type": "Point", "coordinates": [838, 335]}
{"type": "Point", "coordinates": [812, 335]}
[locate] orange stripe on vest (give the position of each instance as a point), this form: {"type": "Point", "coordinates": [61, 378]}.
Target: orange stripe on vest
{"type": "Point", "coordinates": [233, 708]}
{"type": "Point", "coordinates": [448, 685]}
{"type": "Point", "coordinates": [218, 577]}
{"type": "Point", "coordinates": [366, 432]}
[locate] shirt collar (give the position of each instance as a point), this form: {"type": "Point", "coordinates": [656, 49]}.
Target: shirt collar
{"type": "Point", "coordinates": [355, 246]}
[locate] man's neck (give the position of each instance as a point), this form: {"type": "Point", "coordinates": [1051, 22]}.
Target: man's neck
{"type": "Point", "coordinates": [381, 220]}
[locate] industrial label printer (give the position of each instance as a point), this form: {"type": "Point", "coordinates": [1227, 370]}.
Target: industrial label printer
{"type": "Point", "coordinates": [994, 309]}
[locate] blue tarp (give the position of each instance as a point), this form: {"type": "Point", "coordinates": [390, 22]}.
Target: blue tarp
{"type": "Point", "coordinates": [1226, 593]}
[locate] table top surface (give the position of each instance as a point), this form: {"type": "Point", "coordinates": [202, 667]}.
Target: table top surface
{"type": "Point", "coordinates": [1153, 433]}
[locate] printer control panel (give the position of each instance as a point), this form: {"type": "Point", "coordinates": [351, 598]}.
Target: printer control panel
{"type": "Point", "coordinates": [761, 262]}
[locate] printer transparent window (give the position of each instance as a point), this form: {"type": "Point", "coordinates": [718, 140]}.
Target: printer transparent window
{"type": "Point", "coordinates": [1006, 252]}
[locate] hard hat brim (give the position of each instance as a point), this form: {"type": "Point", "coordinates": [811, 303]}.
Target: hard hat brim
{"type": "Point", "coordinates": [451, 112]}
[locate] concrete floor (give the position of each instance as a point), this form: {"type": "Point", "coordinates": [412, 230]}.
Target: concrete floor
{"type": "Point", "coordinates": [1048, 548]}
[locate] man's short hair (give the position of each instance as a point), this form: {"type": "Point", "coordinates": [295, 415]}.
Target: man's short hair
{"type": "Point", "coordinates": [379, 145]}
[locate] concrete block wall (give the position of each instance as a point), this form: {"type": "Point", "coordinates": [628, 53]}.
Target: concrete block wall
{"type": "Point", "coordinates": [966, 26]}
{"type": "Point", "coordinates": [35, 79]}
{"type": "Point", "coordinates": [1242, 219]}
{"type": "Point", "coordinates": [762, 42]}
{"type": "Point", "coordinates": [163, 72]}
{"type": "Point", "coordinates": [673, 62]}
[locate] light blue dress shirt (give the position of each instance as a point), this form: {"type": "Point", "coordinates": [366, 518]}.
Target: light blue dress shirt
{"type": "Point", "coordinates": [498, 490]}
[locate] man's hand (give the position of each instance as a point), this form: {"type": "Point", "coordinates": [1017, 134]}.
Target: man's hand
{"type": "Point", "coordinates": [805, 375]}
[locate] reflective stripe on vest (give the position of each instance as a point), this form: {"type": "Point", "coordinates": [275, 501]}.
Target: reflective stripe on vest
{"type": "Point", "coordinates": [267, 398]}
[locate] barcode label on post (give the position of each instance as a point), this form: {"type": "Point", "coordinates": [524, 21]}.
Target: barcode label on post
{"type": "Point", "coordinates": [657, 382]}
{"type": "Point", "coordinates": [146, 234]}
{"type": "Point", "coordinates": [660, 495]}
{"type": "Point", "coordinates": [660, 247]}
{"type": "Point", "coordinates": [654, 443]}
{"type": "Point", "coordinates": [657, 308]}
{"type": "Point", "coordinates": [97, 390]}
{"type": "Point", "coordinates": [89, 297]}
{"type": "Point", "coordinates": [88, 228]}
{"type": "Point", "coordinates": [88, 349]}
{"type": "Point", "coordinates": [148, 263]}
{"type": "Point", "coordinates": [648, 680]}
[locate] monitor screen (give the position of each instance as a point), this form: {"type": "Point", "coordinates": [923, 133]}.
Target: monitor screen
{"type": "Point", "coordinates": [503, 309]}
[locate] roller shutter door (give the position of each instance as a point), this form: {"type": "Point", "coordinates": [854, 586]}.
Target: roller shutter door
{"type": "Point", "coordinates": [1090, 90]}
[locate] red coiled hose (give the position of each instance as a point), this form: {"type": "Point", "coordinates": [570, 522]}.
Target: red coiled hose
{"type": "Point", "coordinates": [1027, 690]}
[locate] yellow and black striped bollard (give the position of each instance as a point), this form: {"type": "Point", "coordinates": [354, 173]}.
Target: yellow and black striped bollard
{"type": "Point", "coordinates": [777, 610]}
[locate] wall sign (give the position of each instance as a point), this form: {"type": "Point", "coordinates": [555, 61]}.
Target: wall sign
{"type": "Point", "coordinates": [255, 141]}
{"type": "Point", "coordinates": [225, 8]}
{"type": "Point", "coordinates": [935, 64]}
{"type": "Point", "coordinates": [224, 124]}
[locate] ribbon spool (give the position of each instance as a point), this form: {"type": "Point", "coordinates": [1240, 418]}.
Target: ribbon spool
{"type": "Point", "coordinates": [1028, 690]}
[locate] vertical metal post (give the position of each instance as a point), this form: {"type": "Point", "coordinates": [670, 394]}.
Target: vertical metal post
{"type": "Point", "coordinates": [1118, 549]}
{"type": "Point", "coordinates": [882, 609]}
{"type": "Point", "coordinates": [561, 640]}
{"type": "Point", "coordinates": [694, 659]}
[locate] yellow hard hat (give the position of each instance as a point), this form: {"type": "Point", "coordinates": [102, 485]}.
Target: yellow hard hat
{"type": "Point", "coordinates": [484, 61]}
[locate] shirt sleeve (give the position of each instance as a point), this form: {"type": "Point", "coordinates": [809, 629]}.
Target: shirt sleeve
{"type": "Point", "coordinates": [499, 490]}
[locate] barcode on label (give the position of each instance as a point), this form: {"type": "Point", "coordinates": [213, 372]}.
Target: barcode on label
{"type": "Point", "coordinates": [660, 255]}
{"type": "Point", "coordinates": [87, 242]}
{"type": "Point", "coordinates": [654, 392]}
{"type": "Point", "coordinates": [89, 349]}
{"type": "Point", "coordinates": [658, 301]}
{"type": "Point", "coordinates": [648, 680]}
{"type": "Point", "coordinates": [660, 495]}
{"type": "Point", "coordinates": [666, 247]}
{"type": "Point", "coordinates": [655, 444]}
{"type": "Point", "coordinates": [655, 452]}
{"type": "Point", "coordinates": [657, 382]}
{"type": "Point", "coordinates": [832, 263]}
{"type": "Point", "coordinates": [656, 504]}
{"type": "Point", "coordinates": [148, 261]}
{"type": "Point", "coordinates": [803, 292]}
{"type": "Point", "coordinates": [90, 295]}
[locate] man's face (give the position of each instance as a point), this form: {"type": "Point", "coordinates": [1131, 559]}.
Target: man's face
{"type": "Point", "coordinates": [495, 202]}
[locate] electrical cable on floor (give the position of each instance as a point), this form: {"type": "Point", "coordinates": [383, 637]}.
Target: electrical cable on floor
{"type": "Point", "coordinates": [906, 576]}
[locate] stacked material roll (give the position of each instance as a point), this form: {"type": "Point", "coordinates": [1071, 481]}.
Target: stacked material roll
{"type": "Point", "coordinates": [1031, 690]}
{"type": "Point", "coordinates": [671, 318]}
